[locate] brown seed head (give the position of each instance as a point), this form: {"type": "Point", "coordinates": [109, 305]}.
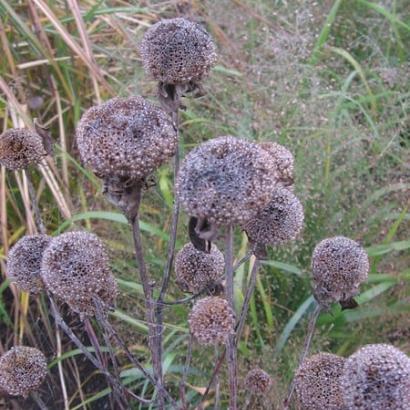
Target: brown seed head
{"type": "Point", "coordinates": [211, 320]}
{"type": "Point", "coordinates": [20, 148]}
{"type": "Point", "coordinates": [377, 377]}
{"type": "Point", "coordinates": [24, 262]}
{"type": "Point", "coordinates": [317, 382]}
{"type": "Point", "coordinates": [258, 381]}
{"type": "Point", "coordinates": [22, 370]}
{"type": "Point", "coordinates": [177, 51]}
{"type": "Point", "coordinates": [125, 137]}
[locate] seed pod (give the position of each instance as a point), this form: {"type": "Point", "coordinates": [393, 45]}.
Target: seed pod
{"type": "Point", "coordinates": [226, 180]}
{"type": "Point", "coordinates": [177, 51]}
{"type": "Point", "coordinates": [258, 381]}
{"type": "Point", "coordinates": [317, 382]}
{"type": "Point", "coordinates": [125, 137]}
{"type": "Point", "coordinates": [24, 262]}
{"type": "Point", "coordinates": [376, 377]}
{"type": "Point", "coordinates": [339, 266]}
{"type": "Point", "coordinates": [211, 320]}
{"type": "Point", "coordinates": [279, 222]}
{"type": "Point", "coordinates": [22, 370]}
{"type": "Point", "coordinates": [20, 148]}
{"type": "Point", "coordinates": [195, 270]}
{"type": "Point", "coordinates": [75, 269]}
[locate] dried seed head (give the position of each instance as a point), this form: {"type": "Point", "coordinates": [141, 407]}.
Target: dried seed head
{"type": "Point", "coordinates": [339, 266]}
{"type": "Point", "coordinates": [317, 382]}
{"type": "Point", "coordinates": [258, 381]}
{"type": "Point", "coordinates": [279, 222]}
{"type": "Point", "coordinates": [211, 320]}
{"type": "Point", "coordinates": [22, 370]}
{"type": "Point", "coordinates": [377, 377]}
{"type": "Point", "coordinates": [195, 270]}
{"type": "Point", "coordinates": [75, 269]}
{"type": "Point", "coordinates": [125, 137]}
{"type": "Point", "coordinates": [20, 148]}
{"type": "Point", "coordinates": [24, 262]}
{"type": "Point", "coordinates": [284, 161]}
{"type": "Point", "coordinates": [226, 180]}
{"type": "Point", "coordinates": [177, 51]}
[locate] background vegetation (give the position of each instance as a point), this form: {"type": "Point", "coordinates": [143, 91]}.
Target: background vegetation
{"type": "Point", "coordinates": [328, 79]}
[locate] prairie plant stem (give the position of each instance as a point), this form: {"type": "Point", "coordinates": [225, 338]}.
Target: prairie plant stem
{"type": "Point", "coordinates": [185, 373]}
{"type": "Point", "coordinates": [35, 396]}
{"type": "Point", "coordinates": [217, 403]}
{"type": "Point", "coordinates": [35, 206]}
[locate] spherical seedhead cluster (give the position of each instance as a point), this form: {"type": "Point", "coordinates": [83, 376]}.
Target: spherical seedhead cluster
{"type": "Point", "coordinates": [339, 266]}
{"type": "Point", "coordinates": [317, 382]}
{"type": "Point", "coordinates": [211, 320]}
{"type": "Point", "coordinates": [195, 270]}
{"type": "Point", "coordinates": [177, 51]}
{"type": "Point", "coordinates": [258, 381]}
{"type": "Point", "coordinates": [24, 262]}
{"type": "Point", "coordinates": [20, 148]}
{"type": "Point", "coordinates": [279, 222]}
{"type": "Point", "coordinates": [376, 377]}
{"type": "Point", "coordinates": [22, 370]}
{"type": "Point", "coordinates": [75, 269]}
{"type": "Point", "coordinates": [226, 180]}
{"type": "Point", "coordinates": [125, 137]}
{"type": "Point", "coordinates": [284, 161]}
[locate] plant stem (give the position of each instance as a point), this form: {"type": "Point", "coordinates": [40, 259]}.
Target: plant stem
{"type": "Point", "coordinates": [185, 372]}
{"type": "Point", "coordinates": [36, 397]}
{"type": "Point", "coordinates": [217, 385]}
{"type": "Point", "coordinates": [35, 206]}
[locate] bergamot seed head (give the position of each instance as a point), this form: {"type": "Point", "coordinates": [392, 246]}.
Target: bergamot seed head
{"type": "Point", "coordinates": [258, 381]}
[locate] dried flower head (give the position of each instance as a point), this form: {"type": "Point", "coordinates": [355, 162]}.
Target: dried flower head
{"type": "Point", "coordinates": [20, 148]}
{"type": "Point", "coordinates": [279, 222]}
{"type": "Point", "coordinates": [195, 270]}
{"type": "Point", "coordinates": [226, 180]}
{"type": "Point", "coordinates": [339, 266]}
{"type": "Point", "coordinates": [258, 381]}
{"type": "Point", "coordinates": [22, 370]}
{"type": "Point", "coordinates": [24, 262]}
{"type": "Point", "coordinates": [75, 269]}
{"type": "Point", "coordinates": [211, 320]}
{"type": "Point", "coordinates": [376, 377]}
{"type": "Point", "coordinates": [284, 161]}
{"type": "Point", "coordinates": [125, 137]}
{"type": "Point", "coordinates": [317, 382]}
{"type": "Point", "coordinates": [177, 51]}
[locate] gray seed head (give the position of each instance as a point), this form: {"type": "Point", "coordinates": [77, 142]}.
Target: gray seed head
{"type": "Point", "coordinates": [279, 222]}
{"type": "Point", "coordinates": [20, 148]}
{"type": "Point", "coordinates": [211, 320]}
{"type": "Point", "coordinates": [339, 266]}
{"type": "Point", "coordinates": [258, 381]}
{"type": "Point", "coordinates": [377, 377]}
{"type": "Point", "coordinates": [22, 370]}
{"type": "Point", "coordinates": [317, 382]}
{"type": "Point", "coordinates": [24, 262]}
{"type": "Point", "coordinates": [226, 180]}
{"type": "Point", "coordinates": [195, 270]}
{"type": "Point", "coordinates": [125, 137]}
{"type": "Point", "coordinates": [75, 268]}
{"type": "Point", "coordinates": [177, 51]}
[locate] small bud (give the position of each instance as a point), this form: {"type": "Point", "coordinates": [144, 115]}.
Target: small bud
{"type": "Point", "coordinates": [258, 381]}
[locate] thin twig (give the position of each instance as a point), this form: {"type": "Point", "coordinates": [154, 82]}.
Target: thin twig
{"type": "Point", "coordinates": [36, 397]}
{"type": "Point", "coordinates": [217, 385]}
{"type": "Point", "coordinates": [182, 383]}
{"type": "Point", "coordinates": [35, 206]}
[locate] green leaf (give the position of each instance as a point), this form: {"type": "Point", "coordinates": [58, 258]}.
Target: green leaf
{"type": "Point", "coordinates": [382, 249]}
{"type": "Point", "coordinates": [286, 267]}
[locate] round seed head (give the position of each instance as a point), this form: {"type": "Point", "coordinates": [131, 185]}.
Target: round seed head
{"type": "Point", "coordinates": [284, 162]}
{"type": "Point", "coordinates": [339, 266]}
{"type": "Point", "coordinates": [195, 270]}
{"type": "Point", "coordinates": [258, 381]}
{"type": "Point", "coordinates": [377, 377]}
{"type": "Point", "coordinates": [279, 222]}
{"type": "Point", "coordinates": [177, 51]}
{"type": "Point", "coordinates": [211, 320]}
{"type": "Point", "coordinates": [75, 269]}
{"type": "Point", "coordinates": [226, 180]}
{"type": "Point", "coordinates": [125, 137]}
{"type": "Point", "coordinates": [24, 262]}
{"type": "Point", "coordinates": [22, 370]}
{"type": "Point", "coordinates": [20, 148]}
{"type": "Point", "coordinates": [317, 382]}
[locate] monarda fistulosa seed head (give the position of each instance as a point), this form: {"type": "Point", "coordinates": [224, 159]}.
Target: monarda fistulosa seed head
{"type": "Point", "coordinates": [22, 370]}
{"type": "Point", "coordinates": [377, 377]}
{"type": "Point", "coordinates": [258, 382]}
{"type": "Point", "coordinates": [24, 262]}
